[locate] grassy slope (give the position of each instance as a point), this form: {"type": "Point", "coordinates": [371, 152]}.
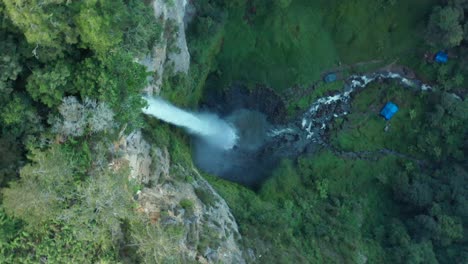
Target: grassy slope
{"type": "Point", "coordinates": [364, 128]}
{"type": "Point", "coordinates": [367, 30]}
{"type": "Point", "coordinates": [322, 211]}
{"type": "Point", "coordinates": [294, 213]}
{"type": "Point", "coordinates": [284, 47]}
{"type": "Point", "coordinates": [280, 47]}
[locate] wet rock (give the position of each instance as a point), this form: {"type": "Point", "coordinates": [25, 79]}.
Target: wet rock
{"type": "Point", "coordinates": [238, 96]}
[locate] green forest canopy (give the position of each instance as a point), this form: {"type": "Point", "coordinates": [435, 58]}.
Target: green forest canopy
{"type": "Point", "coordinates": [69, 84]}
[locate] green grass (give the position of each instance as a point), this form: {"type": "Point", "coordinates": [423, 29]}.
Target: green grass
{"type": "Point", "coordinates": [292, 213]}
{"type": "Point", "coordinates": [376, 29]}
{"type": "Point", "coordinates": [324, 208]}
{"type": "Point", "coordinates": [364, 128]}
{"type": "Point", "coordinates": [278, 48]}
{"type": "Point", "coordinates": [293, 46]}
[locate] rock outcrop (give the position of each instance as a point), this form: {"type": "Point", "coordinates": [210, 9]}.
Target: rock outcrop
{"type": "Point", "coordinates": [178, 195]}
{"type": "Point", "coordinates": [171, 51]}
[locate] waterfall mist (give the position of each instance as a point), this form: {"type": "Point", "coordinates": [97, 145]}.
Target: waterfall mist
{"type": "Point", "coordinates": [209, 127]}
{"type": "Point", "coordinates": [245, 163]}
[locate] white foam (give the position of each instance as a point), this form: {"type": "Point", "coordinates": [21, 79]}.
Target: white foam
{"type": "Point", "coordinates": [209, 126]}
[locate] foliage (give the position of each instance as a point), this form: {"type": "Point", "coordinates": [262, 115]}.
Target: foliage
{"type": "Point", "coordinates": [74, 62]}
{"type": "Point", "coordinates": [445, 129]}
{"type": "Point", "coordinates": [157, 244]}
{"type": "Point", "coordinates": [368, 205]}
{"type": "Point", "coordinates": [51, 83]}
{"type": "Point", "coordinates": [9, 61]}
{"type": "Point", "coordinates": [16, 111]}
{"type": "Point", "coordinates": [278, 49]}
{"type": "Point", "coordinates": [187, 204]}
{"type": "Point", "coordinates": [98, 24]}
{"type": "Point", "coordinates": [115, 80]}
{"type": "Point", "coordinates": [445, 29]}
{"type": "Point", "coordinates": [33, 18]}
{"type": "Point", "coordinates": [45, 187]}
{"type": "Point", "coordinates": [10, 159]}
{"type": "Point", "coordinates": [299, 222]}
{"type": "Point", "coordinates": [68, 215]}
{"type": "Point", "coordinates": [58, 245]}
{"type": "Point", "coordinates": [205, 196]}
{"type": "Point", "coordinates": [95, 24]}
{"type": "Point", "coordinates": [142, 30]}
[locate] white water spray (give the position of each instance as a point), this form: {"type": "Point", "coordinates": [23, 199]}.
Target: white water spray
{"type": "Point", "coordinates": [208, 126]}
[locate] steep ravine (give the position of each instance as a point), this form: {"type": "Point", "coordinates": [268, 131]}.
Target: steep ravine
{"type": "Point", "coordinates": [263, 144]}
{"type": "Point", "coordinates": [172, 193]}
{"type": "Point", "coordinates": [211, 233]}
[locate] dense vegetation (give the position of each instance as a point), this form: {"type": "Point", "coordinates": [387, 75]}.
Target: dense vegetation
{"type": "Point", "coordinates": [69, 87]}
{"type": "Point", "coordinates": [375, 196]}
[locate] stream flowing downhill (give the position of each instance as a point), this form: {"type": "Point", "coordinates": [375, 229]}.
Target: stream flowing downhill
{"type": "Point", "coordinates": [314, 121]}
{"type": "Point", "coordinates": [245, 148]}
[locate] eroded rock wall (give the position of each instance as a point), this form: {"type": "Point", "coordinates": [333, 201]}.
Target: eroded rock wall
{"type": "Point", "coordinates": [173, 194]}
{"type": "Point", "coordinates": [171, 52]}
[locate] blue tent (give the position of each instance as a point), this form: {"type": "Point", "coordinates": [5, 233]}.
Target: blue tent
{"type": "Point", "coordinates": [331, 77]}
{"type": "Point", "coordinates": [389, 110]}
{"type": "Point", "coordinates": [441, 57]}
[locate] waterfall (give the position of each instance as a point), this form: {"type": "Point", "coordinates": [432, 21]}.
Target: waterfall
{"type": "Point", "coordinates": [209, 127]}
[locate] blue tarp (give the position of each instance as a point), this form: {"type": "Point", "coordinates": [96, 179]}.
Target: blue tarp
{"type": "Point", "coordinates": [389, 110]}
{"type": "Point", "coordinates": [331, 77]}
{"type": "Point", "coordinates": [441, 57]}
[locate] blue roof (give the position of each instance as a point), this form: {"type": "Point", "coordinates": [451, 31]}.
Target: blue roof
{"type": "Point", "coordinates": [389, 110]}
{"type": "Point", "coordinates": [441, 57]}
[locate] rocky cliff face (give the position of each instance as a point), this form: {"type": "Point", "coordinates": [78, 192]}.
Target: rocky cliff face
{"type": "Point", "coordinates": [173, 194]}
{"type": "Point", "coordinates": [176, 195]}
{"type": "Point", "coordinates": [171, 52]}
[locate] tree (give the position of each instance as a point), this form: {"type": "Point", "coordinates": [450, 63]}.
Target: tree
{"type": "Point", "coordinates": [9, 62]}
{"type": "Point", "coordinates": [449, 230]}
{"type": "Point", "coordinates": [141, 30]}
{"type": "Point", "coordinates": [57, 199]}
{"type": "Point", "coordinates": [420, 194]}
{"type": "Point", "coordinates": [10, 159]}
{"type": "Point", "coordinates": [445, 29]}
{"type": "Point", "coordinates": [116, 80]}
{"type": "Point", "coordinates": [19, 118]}
{"type": "Point", "coordinates": [46, 186]}
{"type": "Point", "coordinates": [459, 3]}
{"type": "Point", "coordinates": [45, 23]}
{"type": "Point", "coordinates": [283, 4]}
{"type": "Point", "coordinates": [99, 24]}
{"type": "Point", "coordinates": [445, 129]}
{"type": "Point", "coordinates": [49, 84]}
{"type": "Point", "coordinates": [14, 112]}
